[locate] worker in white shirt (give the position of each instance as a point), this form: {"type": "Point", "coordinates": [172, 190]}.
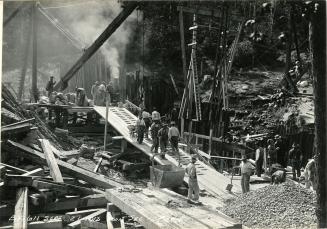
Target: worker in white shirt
{"type": "Point", "coordinates": [246, 171]}
{"type": "Point", "coordinates": [193, 186]}
{"type": "Point", "coordinates": [155, 115]}
{"type": "Point", "coordinates": [173, 136]}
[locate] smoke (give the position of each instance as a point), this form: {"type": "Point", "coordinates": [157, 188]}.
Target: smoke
{"type": "Point", "coordinates": [87, 21]}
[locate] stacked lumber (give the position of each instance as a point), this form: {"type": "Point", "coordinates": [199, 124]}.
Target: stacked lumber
{"type": "Point", "coordinates": [48, 195]}
{"type": "Point", "coordinates": [10, 104]}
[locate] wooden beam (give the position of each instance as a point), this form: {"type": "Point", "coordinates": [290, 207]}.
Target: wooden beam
{"type": "Point", "coordinates": [128, 9]}
{"type": "Point", "coordinates": [14, 168]}
{"type": "Point", "coordinates": [21, 209]}
{"type": "Point", "coordinates": [89, 217]}
{"type": "Point", "coordinates": [34, 60]}
{"type": "Point", "coordinates": [91, 201]}
{"type": "Point", "coordinates": [82, 212]}
{"type": "Point", "coordinates": [90, 177]}
{"type": "Point", "coordinates": [13, 14]}
{"type": "Point", "coordinates": [181, 31]}
{"type": "Point", "coordinates": [51, 160]}
{"type": "Point", "coordinates": [86, 223]}
{"type": "Point", "coordinates": [201, 11]}
{"type": "Point", "coordinates": [33, 172]}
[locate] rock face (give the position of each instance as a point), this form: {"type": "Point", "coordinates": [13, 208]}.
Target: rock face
{"type": "Point", "coordinates": [287, 205]}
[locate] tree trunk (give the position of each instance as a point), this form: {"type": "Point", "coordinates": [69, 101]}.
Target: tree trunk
{"type": "Point", "coordinates": [317, 37]}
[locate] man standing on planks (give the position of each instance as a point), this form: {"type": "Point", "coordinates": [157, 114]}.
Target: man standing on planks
{"type": "Point", "coordinates": [259, 157]}
{"type": "Point", "coordinates": [246, 171]}
{"type": "Point", "coordinates": [155, 127]}
{"type": "Point", "coordinates": [94, 90]}
{"type": "Point", "coordinates": [193, 186]}
{"type": "Point", "coordinates": [163, 138]}
{"type": "Point", "coordinates": [50, 86]}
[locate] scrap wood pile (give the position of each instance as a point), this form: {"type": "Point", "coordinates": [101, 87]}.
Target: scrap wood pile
{"type": "Point", "coordinates": [287, 205]}
{"type": "Point", "coordinates": [48, 190]}
{"type": "Point", "coordinates": [12, 112]}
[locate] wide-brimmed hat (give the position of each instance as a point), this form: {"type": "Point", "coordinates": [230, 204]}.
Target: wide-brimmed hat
{"type": "Point", "coordinates": [194, 156]}
{"type": "Point", "coordinates": [172, 123]}
{"type": "Point", "coordinates": [277, 136]}
{"type": "Point", "coordinates": [244, 157]}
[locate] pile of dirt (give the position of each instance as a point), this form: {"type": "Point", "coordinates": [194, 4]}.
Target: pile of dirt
{"type": "Point", "coordinates": [276, 206]}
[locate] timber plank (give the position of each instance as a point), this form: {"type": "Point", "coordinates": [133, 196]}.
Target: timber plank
{"type": "Point", "coordinates": [91, 201]}
{"type": "Point", "coordinates": [83, 174]}
{"type": "Point", "coordinates": [88, 217]}
{"type": "Point", "coordinates": [21, 209]}
{"type": "Point", "coordinates": [51, 160]}
{"type": "Point", "coordinates": [149, 207]}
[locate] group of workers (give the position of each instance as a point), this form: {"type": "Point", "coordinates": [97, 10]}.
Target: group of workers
{"type": "Point", "coordinates": [98, 93]}
{"type": "Point", "coordinates": [161, 134]}
{"type": "Point", "coordinates": [278, 158]}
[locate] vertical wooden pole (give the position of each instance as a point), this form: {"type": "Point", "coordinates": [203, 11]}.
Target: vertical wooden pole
{"type": "Point", "coordinates": [106, 123]}
{"type": "Point", "coordinates": [182, 127]}
{"type": "Point", "coordinates": [34, 64]}
{"type": "Point", "coordinates": [210, 142]}
{"type": "Point", "coordinates": [25, 60]}
{"type": "Point", "coordinates": [181, 30]}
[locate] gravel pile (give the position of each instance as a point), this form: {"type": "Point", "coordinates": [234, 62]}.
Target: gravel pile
{"type": "Point", "coordinates": [287, 205]}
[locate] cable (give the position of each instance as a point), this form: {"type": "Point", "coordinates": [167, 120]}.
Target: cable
{"type": "Point", "coordinates": [75, 41]}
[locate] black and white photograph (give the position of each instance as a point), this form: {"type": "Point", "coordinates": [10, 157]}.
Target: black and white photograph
{"type": "Point", "coordinates": [163, 114]}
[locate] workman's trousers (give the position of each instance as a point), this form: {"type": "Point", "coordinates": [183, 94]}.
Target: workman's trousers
{"type": "Point", "coordinates": [174, 143]}
{"type": "Point", "coordinates": [296, 170]}
{"type": "Point", "coordinates": [259, 164]}
{"type": "Point", "coordinates": [193, 190]}
{"type": "Point", "coordinates": [163, 145]}
{"type": "Point", "coordinates": [155, 144]}
{"type": "Point", "coordinates": [140, 134]}
{"type": "Point", "coordinates": [245, 182]}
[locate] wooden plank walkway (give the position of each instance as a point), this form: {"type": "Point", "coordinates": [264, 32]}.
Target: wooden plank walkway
{"type": "Point", "coordinates": [213, 182]}
{"type": "Point", "coordinates": [164, 209]}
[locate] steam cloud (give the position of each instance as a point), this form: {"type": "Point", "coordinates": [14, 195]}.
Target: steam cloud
{"type": "Point", "coordinates": [89, 20]}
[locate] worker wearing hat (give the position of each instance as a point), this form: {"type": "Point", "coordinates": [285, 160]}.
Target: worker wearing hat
{"type": "Point", "coordinates": [193, 186]}
{"type": "Point", "coordinates": [173, 135]}
{"type": "Point", "coordinates": [50, 85]}
{"type": "Point", "coordinates": [246, 171]}
{"type": "Point", "coordinates": [295, 157]}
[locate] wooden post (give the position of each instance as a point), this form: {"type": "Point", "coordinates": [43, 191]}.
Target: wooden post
{"type": "Point", "coordinates": [265, 159]}
{"type": "Point", "coordinates": [129, 8]}
{"type": "Point", "coordinates": [106, 121]}
{"type": "Point", "coordinates": [210, 141]}
{"type": "Point", "coordinates": [317, 41]}
{"type": "Point", "coordinates": [21, 209]}
{"type": "Point", "coordinates": [182, 127]}
{"type": "Point", "coordinates": [25, 61]}
{"type": "Point", "coordinates": [181, 30]}
{"type": "Point", "coordinates": [34, 63]}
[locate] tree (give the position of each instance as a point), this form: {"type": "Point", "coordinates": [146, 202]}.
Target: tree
{"type": "Point", "coordinates": [317, 37]}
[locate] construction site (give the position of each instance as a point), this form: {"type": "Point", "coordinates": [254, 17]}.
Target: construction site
{"type": "Point", "coordinates": [163, 114]}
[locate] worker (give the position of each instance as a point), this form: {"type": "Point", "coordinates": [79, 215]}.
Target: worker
{"type": "Point", "coordinates": [163, 138]}
{"type": "Point", "coordinates": [50, 86]}
{"type": "Point", "coordinates": [140, 127]}
{"type": "Point", "coordinates": [271, 151]}
{"type": "Point", "coordinates": [155, 115]}
{"type": "Point", "coordinates": [193, 186]}
{"type": "Point", "coordinates": [310, 173]}
{"type": "Point", "coordinates": [101, 95]}
{"type": "Point", "coordinates": [174, 115]}
{"type": "Point", "coordinates": [81, 98]}
{"type": "Point", "coordinates": [259, 157]}
{"type": "Point", "coordinates": [295, 157]}
{"type": "Point", "coordinates": [94, 90]}
{"type": "Point", "coordinates": [155, 127]}
{"type": "Point", "coordinates": [173, 136]}
{"type": "Point", "coordinates": [280, 151]}
{"type": "Point", "coordinates": [278, 177]}
{"type": "Point", "coordinates": [147, 119]}
{"type": "Point", "coordinates": [246, 172]}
